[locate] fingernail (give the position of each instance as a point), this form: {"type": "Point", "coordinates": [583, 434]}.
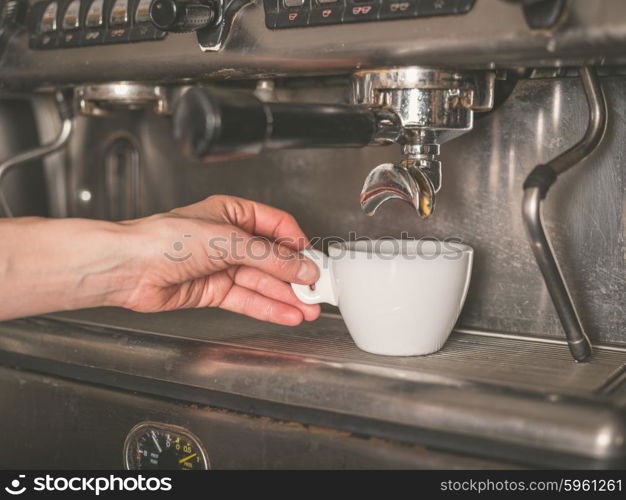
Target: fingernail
{"type": "Point", "coordinates": [307, 271]}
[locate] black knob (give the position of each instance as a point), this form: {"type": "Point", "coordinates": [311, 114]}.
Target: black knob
{"type": "Point", "coordinates": [180, 17]}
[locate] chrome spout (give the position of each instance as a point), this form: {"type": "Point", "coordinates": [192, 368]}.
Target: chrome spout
{"type": "Point", "coordinates": [431, 106]}
{"type": "Point", "coordinates": [414, 180]}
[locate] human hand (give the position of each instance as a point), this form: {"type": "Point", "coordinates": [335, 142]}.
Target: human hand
{"type": "Point", "coordinates": [223, 252]}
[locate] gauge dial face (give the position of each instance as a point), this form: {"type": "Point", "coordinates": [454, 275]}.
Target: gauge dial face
{"type": "Point", "coordinates": [161, 446]}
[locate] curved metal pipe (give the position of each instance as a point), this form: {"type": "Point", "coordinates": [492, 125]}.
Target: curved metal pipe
{"type": "Point", "coordinates": [33, 154]}
{"type": "Point", "coordinates": [595, 127]}
{"type": "Point", "coordinates": [535, 189]}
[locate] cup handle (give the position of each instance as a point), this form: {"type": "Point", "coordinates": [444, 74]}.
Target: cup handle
{"type": "Point", "coordinates": [324, 288]}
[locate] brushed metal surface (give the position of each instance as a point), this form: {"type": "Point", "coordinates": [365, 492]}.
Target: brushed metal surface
{"type": "Point", "coordinates": [512, 362]}
{"type": "Point", "coordinates": [494, 33]}
{"type": "Point", "coordinates": [468, 398]}
{"type": "Point", "coordinates": [85, 427]}
{"type": "Point", "coordinates": [479, 203]}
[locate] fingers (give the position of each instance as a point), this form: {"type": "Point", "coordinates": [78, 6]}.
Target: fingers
{"type": "Point", "coordinates": [279, 226]}
{"type": "Point", "coordinates": [252, 217]}
{"type": "Point", "coordinates": [245, 301]}
{"type": "Point", "coordinates": [242, 249]}
{"type": "Point", "coordinates": [273, 288]}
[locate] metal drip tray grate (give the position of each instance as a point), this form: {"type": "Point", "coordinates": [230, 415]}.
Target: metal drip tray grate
{"type": "Point", "coordinates": [515, 362]}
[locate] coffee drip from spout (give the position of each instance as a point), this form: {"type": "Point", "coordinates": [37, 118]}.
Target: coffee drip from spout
{"type": "Point", "coordinates": [432, 106]}
{"type": "Point", "coordinates": [415, 179]}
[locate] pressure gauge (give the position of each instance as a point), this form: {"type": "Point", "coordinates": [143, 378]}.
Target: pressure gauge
{"type": "Point", "coordinates": [151, 445]}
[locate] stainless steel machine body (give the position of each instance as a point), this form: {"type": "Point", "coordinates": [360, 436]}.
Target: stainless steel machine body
{"type": "Point", "coordinates": [503, 392]}
{"type": "Point", "coordinates": [486, 168]}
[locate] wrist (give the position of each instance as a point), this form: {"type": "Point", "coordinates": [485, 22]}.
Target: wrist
{"type": "Point", "coordinates": [111, 272]}
{"type": "Point", "coordinates": [134, 257]}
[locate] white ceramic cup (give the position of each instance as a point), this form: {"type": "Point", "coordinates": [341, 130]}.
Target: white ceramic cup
{"type": "Point", "coordinates": [397, 297]}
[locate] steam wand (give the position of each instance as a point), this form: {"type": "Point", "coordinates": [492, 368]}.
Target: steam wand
{"type": "Point", "coordinates": [535, 190]}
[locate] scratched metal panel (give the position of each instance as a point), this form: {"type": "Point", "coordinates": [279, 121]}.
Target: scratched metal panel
{"type": "Point", "coordinates": [480, 201]}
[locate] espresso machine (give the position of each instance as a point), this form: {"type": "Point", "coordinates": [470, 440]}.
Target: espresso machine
{"type": "Point", "coordinates": [497, 123]}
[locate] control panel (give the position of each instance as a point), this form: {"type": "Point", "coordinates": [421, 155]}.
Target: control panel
{"type": "Point", "coordinates": [73, 23]}
{"type": "Point", "coordinates": [295, 13]}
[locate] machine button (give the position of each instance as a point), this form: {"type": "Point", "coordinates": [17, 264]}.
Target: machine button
{"type": "Point", "coordinates": [293, 3]}
{"type": "Point", "coordinates": [324, 2]}
{"type": "Point", "coordinates": [95, 17]}
{"type": "Point", "coordinates": [436, 7]}
{"type": "Point", "coordinates": [292, 16]}
{"type": "Point", "coordinates": [142, 12]}
{"type": "Point", "coordinates": [71, 18]}
{"type": "Point", "coordinates": [69, 39]}
{"type": "Point", "coordinates": [46, 41]}
{"type": "Point", "coordinates": [395, 9]}
{"type": "Point", "coordinates": [38, 38]}
{"type": "Point", "coordinates": [143, 28]}
{"type": "Point", "coordinates": [117, 35]}
{"type": "Point", "coordinates": [92, 37]}
{"type": "Point", "coordinates": [119, 13]}
{"type": "Point", "coordinates": [118, 23]}
{"type": "Point", "coordinates": [361, 11]}
{"type": "Point", "coordinates": [327, 14]}
{"type": "Point", "coordinates": [49, 19]}
{"type": "Point", "coordinates": [94, 22]}
{"type": "Point", "coordinates": [287, 19]}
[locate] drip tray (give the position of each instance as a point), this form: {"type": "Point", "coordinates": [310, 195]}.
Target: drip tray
{"type": "Point", "coordinates": [542, 365]}
{"type": "Point", "coordinates": [491, 395]}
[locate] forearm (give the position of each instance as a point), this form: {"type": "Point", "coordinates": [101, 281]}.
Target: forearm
{"type": "Point", "coordinates": [50, 265]}
{"type": "Point", "coordinates": [158, 263]}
